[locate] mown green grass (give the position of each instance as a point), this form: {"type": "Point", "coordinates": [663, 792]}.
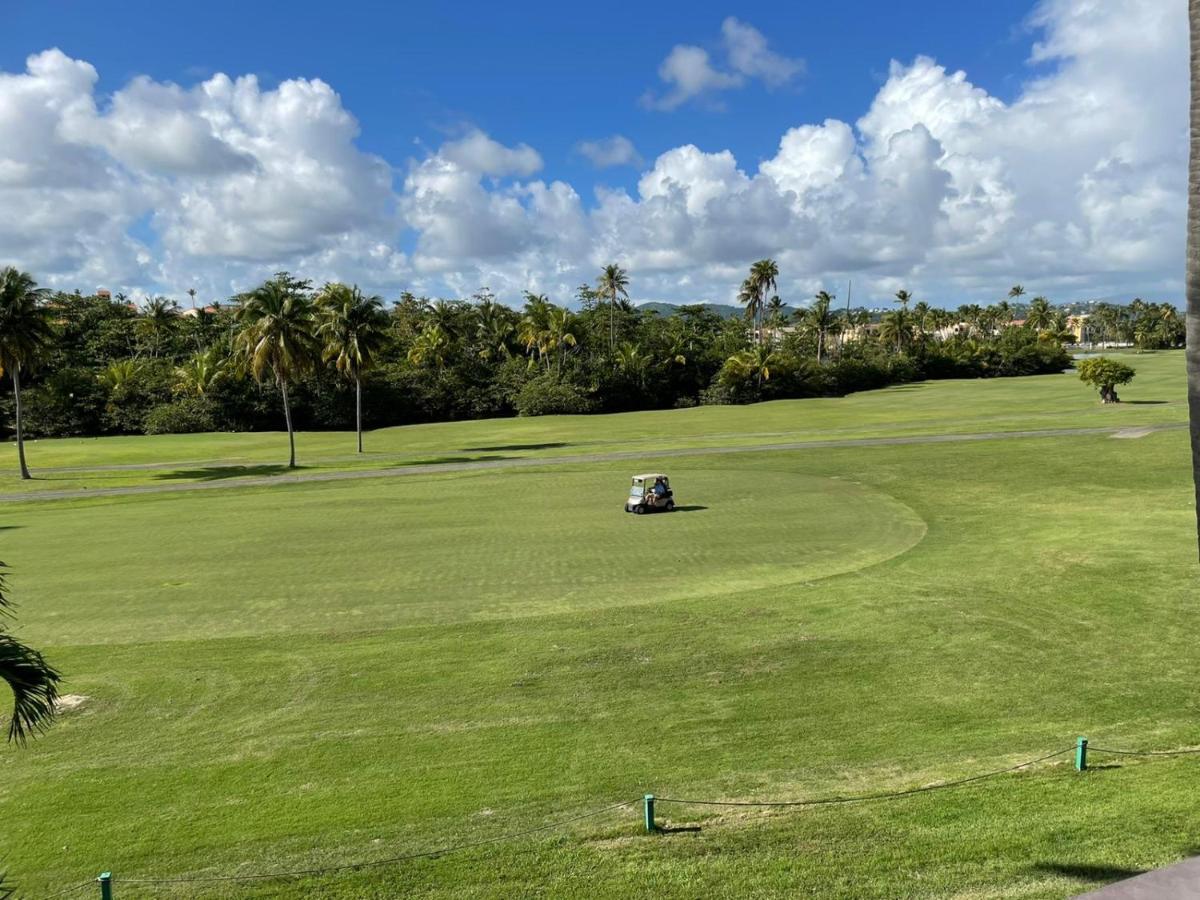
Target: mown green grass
{"type": "Point", "coordinates": [289, 677]}
{"type": "Point", "coordinates": [936, 407]}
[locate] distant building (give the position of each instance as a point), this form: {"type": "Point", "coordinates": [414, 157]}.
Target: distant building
{"type": "Point", "coordinates": [104, 294]}
{"type": "Point", "coordinates": [195, 311]}
{"type": "Point", "coordinates": [1078, 326]}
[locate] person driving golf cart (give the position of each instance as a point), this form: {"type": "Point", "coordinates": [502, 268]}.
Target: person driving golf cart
{"type": "Point", "coordinates": [650, 493]}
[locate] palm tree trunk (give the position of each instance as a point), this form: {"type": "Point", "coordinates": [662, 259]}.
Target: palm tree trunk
{"type": "Point", "coordinates": [1193, 258]}
{"type": "Point", "coordinates": [612, 328]}
{"type": "Point", "coordinates": [16, 377]}
{"type": "Point", "coordinates": [287, 415]}
{"type": "Point", "coordinates": [820, 346]}
{"type": "Point", "coordinates": [358, 410]}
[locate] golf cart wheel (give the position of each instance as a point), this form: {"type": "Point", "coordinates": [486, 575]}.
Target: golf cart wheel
{"type": "Point", "coordinates": [639, 509]}
{"type": "Point", "coordinates": [670, 506]}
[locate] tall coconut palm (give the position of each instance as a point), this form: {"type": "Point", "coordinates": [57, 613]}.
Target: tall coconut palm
{"type": "Point", "coordinates": [1016, 292]}
{"type": "Point", "coordinates": [276, 338]}
{"type": "Point", "coordinates": [431, 347]}
{"type": "Point", "coordinates": [613, 281]}
{"type": "Point", "coordinates": [25, 334]}
{"type": "Point", "coordinates": [32, 680]}
{"type": "Point", "coordinates": [761, 281]}
{"type": "Point", "coordinates": [819, 320]}
{"type": "Point", "coordinates": [559, 334]}
{"type": "Point", "coordinates": [352, 330]}
{"type": "Point", "coordinates": [903, 298]}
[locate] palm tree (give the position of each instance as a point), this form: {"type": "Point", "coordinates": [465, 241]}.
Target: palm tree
{"type": "Point", "coordinates": [1016, 292]}
{"type": "Point", "coordinates": [199, 374]}
{"type": "Point", "coordinates": [191, 292]}
{"type": "Point", "coordinates": [158, 317]}
{"type": "Point", "coordinates": [276, 337]}
{"type": "Point", "coordinates": [762, 278]}
{"type": "Point", "coordinates": [903, 298]}
{"type": "Point", "coordinates": [755, 363]}
{"type": "Point", "coordinates": [559, 334]}
{"type": "Point", "coordinates": [494, 329]}
{"type": "Point", "coordinates": [25, 334]}
{"type": "Point", "coordinates": [895, 328]}
{"type": "Point", "coordinates": [633, 362]}
{"type": "Point", "coordinates": [774, 312]}
{"type": "Point", "coordinates": [534, 326]}
{"type": "Point", "coordinates": [353, 329]}
{"type": "Point", "coordinates": [1040, 316]}
{"type": "Point", "coordinates": [819, 319]}
{"type": "Point", "coordinates": [613, 281]}
{"type": "Point", "coordinates": [32, 680]}
{"type": "Point", "coordinates": [432, 345]}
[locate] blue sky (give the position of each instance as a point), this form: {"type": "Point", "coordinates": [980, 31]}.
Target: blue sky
{"type": "Point", "coordinates": [547, 74]}
{"type": "Point", "coordinates": [919, 196]}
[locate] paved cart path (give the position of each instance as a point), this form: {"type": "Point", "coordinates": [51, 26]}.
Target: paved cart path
{"type": "Point", "coordinates": [533, 462]}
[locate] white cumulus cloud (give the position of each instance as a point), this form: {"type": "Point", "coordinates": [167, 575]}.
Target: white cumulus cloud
{"type": "Point", "coordinates": [1075, 185]}
{"type": "Point", "coordinates": [617, 150]}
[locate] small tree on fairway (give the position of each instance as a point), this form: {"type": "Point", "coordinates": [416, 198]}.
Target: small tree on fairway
{"type": "Point", "coordinates": [33, 681]}
{"type": "Point", "coordinates": [353, 329]}
{"type": "Point", "coordinates": [1105, 374]}
{"type": "Point", "coordinates": [25, 335]}
{"type": "Point", "coordinates": [276, 337]}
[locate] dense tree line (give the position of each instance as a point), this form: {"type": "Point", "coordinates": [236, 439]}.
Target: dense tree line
{"type": "Point", "coordinates": [328, 357]}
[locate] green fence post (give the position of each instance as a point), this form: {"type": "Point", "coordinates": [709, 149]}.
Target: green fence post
{"type": "Point", "coordinates": [648, 803]}
{"type": "Point", "coordinates": [1081, 755]}
{"type": "Point", "coordinates": [105, 880]}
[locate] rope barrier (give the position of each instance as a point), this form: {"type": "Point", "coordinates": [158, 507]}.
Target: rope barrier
{"type": "Point", "coordinates": [1144, 752]}
{"type": "Point", "coordinates": [826, 801]}
{"type": "Point", "coordinates": [649, 799]}
{"type": "Point", "coordinates": [91, 882]}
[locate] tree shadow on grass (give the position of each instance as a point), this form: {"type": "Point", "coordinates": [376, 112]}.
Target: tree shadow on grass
{"type": "Point", "coordinates": [1145, 402]}
{"type": "Point", "coordinates": [220, 473]}
{"type": "Point", "coordinates": [1088, 871]}
{"type": "Point", "coordinates": [10, 527]}
{"type": "Point", "coordinates": [548, 446]}
{"type": "Point", "coordinates": [690, 508]}
{"type": "Point", "coordinates": [447, 460]}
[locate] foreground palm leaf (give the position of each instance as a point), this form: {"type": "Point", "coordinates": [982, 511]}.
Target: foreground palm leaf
{"type": "Point", "coordinates": [32, 680]}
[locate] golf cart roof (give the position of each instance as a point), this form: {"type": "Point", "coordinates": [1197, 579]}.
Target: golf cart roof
{"type": "Point", "coordinates": [651, 477]}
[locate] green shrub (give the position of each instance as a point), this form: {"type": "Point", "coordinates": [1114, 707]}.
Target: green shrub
{"type": "Point", "coordinates": [548, 396]}
{"type": "Point", "coordinates": [186, 415]}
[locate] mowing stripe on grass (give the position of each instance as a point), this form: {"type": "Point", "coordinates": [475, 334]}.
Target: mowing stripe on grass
{"type": "Point", "coordinates": [615, 456]}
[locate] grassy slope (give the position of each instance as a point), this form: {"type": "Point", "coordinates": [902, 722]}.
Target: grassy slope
{"type": "Point", "coordinates": [297, 676]}
{"type": "Point", "coordinates": [1010, 404]}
